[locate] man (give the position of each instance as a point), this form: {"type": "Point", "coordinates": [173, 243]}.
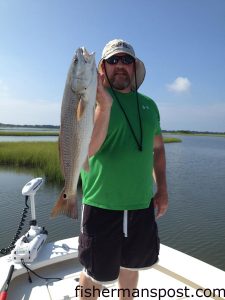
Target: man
{"type": "Point", "coordinates": [118, 229]}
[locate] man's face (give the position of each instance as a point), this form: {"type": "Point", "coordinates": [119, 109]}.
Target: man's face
{"type": "Point", "coordinates": [120, 74]}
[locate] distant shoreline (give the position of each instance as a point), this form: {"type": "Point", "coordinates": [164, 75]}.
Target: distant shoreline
{"type": "Point", "coordinates": [52, 130]}
{"type": "Point", "coordinates": [2, 125]}
{"type": "Point", "coordinates": [195, 133]}
{"type": "Point", "coordinates": [56, 133]}
{"type": "Point", "coordinates": [29, 133]}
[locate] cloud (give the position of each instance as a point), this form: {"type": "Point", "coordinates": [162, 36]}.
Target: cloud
{"type": "Point", "coordinates": [180, 85]}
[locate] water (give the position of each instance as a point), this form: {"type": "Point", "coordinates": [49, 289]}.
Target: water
{"type": "Point", "coordinates": [28, 138]}
{"type": "Point", "coordinates": [194, 223]}
{"type": "Point", "coordinates": [29, 129]}
{"type": "Point", "coordinates": [12, 203]}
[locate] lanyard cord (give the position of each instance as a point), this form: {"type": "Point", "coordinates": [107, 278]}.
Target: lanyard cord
{"type": "Point", "coordinates": [140, 145]}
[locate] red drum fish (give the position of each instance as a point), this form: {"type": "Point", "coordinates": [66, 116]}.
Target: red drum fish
{"type": "Point", "coordinates": [77, 121]}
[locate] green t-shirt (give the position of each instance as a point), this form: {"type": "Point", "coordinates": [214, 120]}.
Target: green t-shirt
{"type": "Point", "coordinates": [120, 176]}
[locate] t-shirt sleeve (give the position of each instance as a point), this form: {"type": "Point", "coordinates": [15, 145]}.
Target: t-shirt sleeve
{"type": "Point", "coordinates": [158, 127]}
{"type": "Point", "coordinates": [158, 130]}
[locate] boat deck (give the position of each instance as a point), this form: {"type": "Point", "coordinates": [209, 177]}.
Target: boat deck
{"type": "Point", "coordinates": [176, 276]}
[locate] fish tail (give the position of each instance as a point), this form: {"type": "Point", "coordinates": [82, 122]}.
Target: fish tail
{"type": "Point", "coordinates": [65, 206]}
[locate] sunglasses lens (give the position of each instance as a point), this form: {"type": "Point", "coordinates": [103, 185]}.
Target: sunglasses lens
{"type": "Point", "coordinates": [125, 59]}
{"type": "Point", "coordinates": [112, 60]}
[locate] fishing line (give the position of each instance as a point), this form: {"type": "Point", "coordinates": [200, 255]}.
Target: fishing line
{"type": "Point", "coordinates": [139, 144]}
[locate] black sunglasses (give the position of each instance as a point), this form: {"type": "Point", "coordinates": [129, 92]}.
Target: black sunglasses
{"type": "Point", "coordinates": [125, 59]}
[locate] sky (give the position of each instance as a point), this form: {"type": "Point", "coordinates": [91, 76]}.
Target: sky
{"type": "Point", "coordinates": [181, 42]}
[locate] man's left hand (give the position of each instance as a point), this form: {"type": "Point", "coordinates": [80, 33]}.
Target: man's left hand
{"type": "Point", "coordinates": [160, 203]}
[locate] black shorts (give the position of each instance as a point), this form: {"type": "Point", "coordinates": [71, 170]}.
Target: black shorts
{"type": "Point", "coordinates": [109, 240]}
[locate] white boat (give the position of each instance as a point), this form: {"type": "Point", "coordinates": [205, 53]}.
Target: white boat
{"type": "Point", "coordinates": [175, 276]}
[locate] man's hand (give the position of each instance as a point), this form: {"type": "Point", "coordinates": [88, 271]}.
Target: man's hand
{"type": "Point", "coordinates": [101, 117]}
{"type": "Point", "coordinates": [160, 203]}
{"type": "Point", "coordinates": [161, 196]}
{"type": "Point", "coordinates": [104, 99]}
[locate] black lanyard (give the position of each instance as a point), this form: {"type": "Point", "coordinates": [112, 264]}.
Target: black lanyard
{"type": "Point", "coordinates": [139, 144]}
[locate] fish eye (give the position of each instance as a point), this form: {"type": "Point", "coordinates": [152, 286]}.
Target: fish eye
{"type": "Point", "coordinates": [75, 60]}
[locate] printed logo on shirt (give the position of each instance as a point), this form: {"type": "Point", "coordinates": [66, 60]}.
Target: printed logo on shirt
{"type": "Point", "coordinates": [144, 107]}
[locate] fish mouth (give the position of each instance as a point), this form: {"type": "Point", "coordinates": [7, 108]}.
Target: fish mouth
{"type": "Point", "coordinates": [84, 54]}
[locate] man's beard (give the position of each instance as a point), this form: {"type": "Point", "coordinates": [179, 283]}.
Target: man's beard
{"type": "Point", "coordinates": [120, 80]}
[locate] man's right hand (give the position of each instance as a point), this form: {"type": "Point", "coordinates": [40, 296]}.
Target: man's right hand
{"type": "Point", "coordinates": [104, 99]}
{"type": "Point", "coordinates": [101, 117]}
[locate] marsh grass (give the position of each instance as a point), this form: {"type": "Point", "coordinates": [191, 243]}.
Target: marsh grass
{"type": "Point", "coordinates": [42, 157]}
{"type": "Point", "coordinates": [171, 140]}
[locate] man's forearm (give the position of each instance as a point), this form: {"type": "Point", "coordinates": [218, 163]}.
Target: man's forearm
{"type": "Point", "coordinates": [101, 118]}
{"type": "Point", "coordinates": [101, 123]}
{"type": "Point", "coordinates": [161, 196]}
{"type": "Point", "coordinates": [160, 168]}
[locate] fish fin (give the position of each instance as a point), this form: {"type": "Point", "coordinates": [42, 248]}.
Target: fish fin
{"type": "Point", "coordinates": [153, 175]}
{"type": "Point", "coordinates": [93, 115]}
{"type": "Point", "coordinates": [80, 109]}
{"type": "Point", "coordinates": [86, 165]}
{"type": "Point", "coordinates": [65, 205]}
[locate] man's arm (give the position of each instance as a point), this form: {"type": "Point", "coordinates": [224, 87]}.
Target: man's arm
{"type": "Point", "coordinates": [161, 196]}
{"type": "Point", "coordinates": [101, 117]}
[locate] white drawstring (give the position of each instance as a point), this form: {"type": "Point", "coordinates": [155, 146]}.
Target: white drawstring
{"type": "Point", "coordinates": [125, 231]}
{"type": "Point", "coordinates": [81, 222]}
